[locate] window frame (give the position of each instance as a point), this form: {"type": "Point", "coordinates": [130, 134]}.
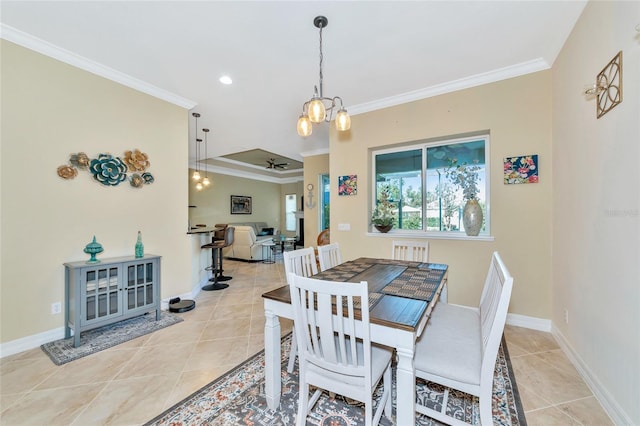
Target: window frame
{"type": "Point", "coordinates": [423, 145]}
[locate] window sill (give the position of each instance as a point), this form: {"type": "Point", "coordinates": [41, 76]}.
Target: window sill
{"type": "Point", "coordinates": [395, 233]}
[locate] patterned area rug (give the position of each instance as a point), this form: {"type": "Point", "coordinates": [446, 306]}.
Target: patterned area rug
{"type": "Point", "coordinates": [92, 341]}
{"type": "Point", "coordinates": [237, 398]}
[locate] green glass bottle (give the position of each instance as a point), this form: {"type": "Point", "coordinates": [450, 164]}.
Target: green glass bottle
{"type": "Point", "coordinates": [139, 246]}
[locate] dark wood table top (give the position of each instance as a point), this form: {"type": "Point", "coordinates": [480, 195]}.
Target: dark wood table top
{"type": "Point", "coordinates": [386, 309]}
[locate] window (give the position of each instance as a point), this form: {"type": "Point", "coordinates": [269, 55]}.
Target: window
{"type": "Point", "coordinates": [420, 183]}
{"type": "Point", "coordinates": [324, 193]}
{"type": "Point", "coordinates": [290, 207]}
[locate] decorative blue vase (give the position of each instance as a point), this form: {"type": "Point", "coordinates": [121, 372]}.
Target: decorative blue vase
{"type": "Point", "coordinates": [92, 249]}
{"type": "Point", "coordinates": [139, 246]}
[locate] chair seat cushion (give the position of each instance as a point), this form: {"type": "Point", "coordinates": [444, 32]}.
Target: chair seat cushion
{"type": "Point", "coordinates": [450, 345]}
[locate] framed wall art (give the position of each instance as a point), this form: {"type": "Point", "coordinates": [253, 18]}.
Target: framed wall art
{"type": "Point", "coordinates": [240, 204]}
{"type": "Point", "coordinates": [348, 185]}
{"type": "Point", "coordinates": [521, 169]}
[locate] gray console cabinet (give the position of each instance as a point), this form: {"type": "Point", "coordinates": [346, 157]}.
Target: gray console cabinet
{"type": "Point", "coordinates": [115, 289]}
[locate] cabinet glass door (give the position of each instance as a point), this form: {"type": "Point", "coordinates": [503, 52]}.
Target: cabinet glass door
{"type": "Point", "coordinates": [101, 290]}
{"type": "Point", "coordinates": [140, 280]}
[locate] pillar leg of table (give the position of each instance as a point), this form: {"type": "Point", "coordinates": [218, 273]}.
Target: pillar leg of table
{"type": "Point", "coordinates": [273, 384]}
{"type": "Point", "coordinates": [406, 383]}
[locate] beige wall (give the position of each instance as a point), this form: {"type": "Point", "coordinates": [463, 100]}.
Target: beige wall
{"type": "Point", "coordinates": [314, 166]}
{"type": "Point", "coordinates": [517, 112]}
{"type": "Point", "coordinates": [596, 208]}
{"type": "Point", "coordinates": [214, 203]}
{"type": "Point", "coordinates": [50, 110]}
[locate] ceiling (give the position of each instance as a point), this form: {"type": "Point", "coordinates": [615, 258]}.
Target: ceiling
{"type": "Point", "coordinates": [376, 54]}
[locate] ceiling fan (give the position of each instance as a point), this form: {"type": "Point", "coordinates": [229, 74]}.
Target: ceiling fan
{"type": "Point", "coordinates": [271, 164]}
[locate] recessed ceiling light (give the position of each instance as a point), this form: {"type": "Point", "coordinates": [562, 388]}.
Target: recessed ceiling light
{"type": "Point", "coordinates": [225, 79]}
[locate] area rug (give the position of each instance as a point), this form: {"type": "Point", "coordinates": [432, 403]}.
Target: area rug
{"type": "Point", "coordinates": [237, 398]}
{"type": "Point", "coordinates": [92, 341]}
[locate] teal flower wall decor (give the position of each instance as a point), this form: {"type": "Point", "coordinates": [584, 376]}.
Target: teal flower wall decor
{"type": "Point", "coordinates": [108, 170]}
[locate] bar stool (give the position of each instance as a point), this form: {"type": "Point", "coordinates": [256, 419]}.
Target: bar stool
{"type": "Point", "coordinates": [216, 261]}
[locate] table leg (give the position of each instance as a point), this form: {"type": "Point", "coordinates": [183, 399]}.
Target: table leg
{"type": "Point", "coordinates": [273, 384]}
{"type": "Point", "coordinates": [406, 383]}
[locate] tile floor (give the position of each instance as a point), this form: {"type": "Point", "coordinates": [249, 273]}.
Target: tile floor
{"type": "Point", "coordinates": [133, 382]}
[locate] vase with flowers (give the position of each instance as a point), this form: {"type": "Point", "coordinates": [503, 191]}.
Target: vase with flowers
{"type": "Point", "coordinates": [465, 176]}
{"type": "Point", "coordinates": [383, 216]}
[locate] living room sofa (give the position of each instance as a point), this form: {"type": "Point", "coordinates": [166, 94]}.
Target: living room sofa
{"type": "Point", "coordinates": [246, 245]}
{"type": "Point", "coordinates": [260, 228]}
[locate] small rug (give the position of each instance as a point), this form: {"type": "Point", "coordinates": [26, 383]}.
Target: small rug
{"type": "Point", "coordinates": [92, 341]}
{"type": "Point", "coordinates": [237, 398]}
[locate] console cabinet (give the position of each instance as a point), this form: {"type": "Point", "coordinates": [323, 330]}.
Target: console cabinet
{"type": "Point", "coordinates": [115, 289]}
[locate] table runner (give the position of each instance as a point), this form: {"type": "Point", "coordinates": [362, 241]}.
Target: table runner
{"type": "Point", "coordinates": [417, 281]}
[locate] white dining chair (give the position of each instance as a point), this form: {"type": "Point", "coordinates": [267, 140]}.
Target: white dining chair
{"type": "Point", "coordinates": [415, 251]}
{"type": "Point", "coordinates": [331, 357]}
{"type": "Point", "coordinates": [459, 345]}
{"type": "Point", "coordinates": [301, 262]}
{"type": "Point", "coordinates": [329, 256]}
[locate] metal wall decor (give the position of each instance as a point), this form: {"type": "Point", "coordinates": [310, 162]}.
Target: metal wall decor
{"type": "Point", "coordinates": [608, 86]}
{"type": "Point", "coordinates": [110, 170]}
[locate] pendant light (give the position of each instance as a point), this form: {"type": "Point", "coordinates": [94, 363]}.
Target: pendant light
{"type": "Point", "coordinates": [196, 172]}
{"type": "Point", "coordinates": [206, 182]}
{"type": "Point", "coordinates": [320, 108]}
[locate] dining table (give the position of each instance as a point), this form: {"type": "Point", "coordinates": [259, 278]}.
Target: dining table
{"type": "Point", "coordinates": [402, 295]}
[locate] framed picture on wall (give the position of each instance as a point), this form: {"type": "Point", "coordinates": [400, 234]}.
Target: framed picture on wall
{"type": "Point", "coordinates": [240, 204]}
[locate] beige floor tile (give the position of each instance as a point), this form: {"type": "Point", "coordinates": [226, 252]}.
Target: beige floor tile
{"type": "Point", "coordinates": [24, 374]}
{"type": "Point", "coordinates": [210, 353]}
{"type": "Point", "coordinates": [232, 311]}
{"type": "Point", "coordinates": [553, 384]}
{"type": "Point", "coordinates": [549, 417]}
{"type": "Point", "coordinates": [100, 367]}
{"type": "Point", "coordinates": [183, 332]}
{"type": "Point", "coordinates": [530, 341]}
{"type": "Point", "coordinates": [52, 406]}
{"type": "Point", "coordinates": [152, 360]}
{"type": "Point", "coordinates": [587, 411]}
{"type": "Point", "coordinates": [220, 329]}
{"type": "Point", "coordinates": [191, 381]}
{"type": "Point", "coordinates": [128, 402]}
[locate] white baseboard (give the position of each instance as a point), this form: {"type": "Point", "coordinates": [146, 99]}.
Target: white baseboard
{"type": "Point", "coordinates": [529, 322]}
{"type": "Point", "coordinates": [614, 411]}
{"type": "Point", "coordinates": [30, 342]}
{"type": "Point", "coordinates": [25, 343]}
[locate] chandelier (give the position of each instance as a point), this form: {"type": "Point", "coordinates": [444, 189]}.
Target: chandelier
{"type": "Point", "coordinates": [320, 108]}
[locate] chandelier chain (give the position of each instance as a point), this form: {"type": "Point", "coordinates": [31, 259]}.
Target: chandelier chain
{"type": "Point", "coordinates": [321, 60]}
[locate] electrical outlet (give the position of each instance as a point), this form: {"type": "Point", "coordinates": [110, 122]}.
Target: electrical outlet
{"type": "Point", "coordinates": [56, 308]}
{"type": "Point", "coordinates": [566, 316]}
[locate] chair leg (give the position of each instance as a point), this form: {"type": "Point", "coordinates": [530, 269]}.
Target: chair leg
{"type": "Point", "coordinates": [292, 354]}
{"type": "Point", "coordinates": [303, 402]}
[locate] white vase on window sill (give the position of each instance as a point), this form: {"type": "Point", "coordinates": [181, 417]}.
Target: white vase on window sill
{"type": "Point", "coordinates": [472, 217]}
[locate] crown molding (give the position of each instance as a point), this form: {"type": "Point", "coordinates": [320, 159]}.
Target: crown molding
{"type": "Point", "coordinates": [38, 45]}
{"type": "Point", "coordinates": [248, 175]}
{"type": "Point", "coordinates": [452, 86]}
{"type": "Point", "coordinates": [320, 151]}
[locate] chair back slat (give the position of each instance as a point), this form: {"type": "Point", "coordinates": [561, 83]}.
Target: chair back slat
{"type": "Point", "coordinates": [329, 256]}
{"type": "Point", "coordinates": [414, 251]}
{"type": "Point", "coordinates": [325, 320]}
{"type": "Point", "coordinates": [301, 262]}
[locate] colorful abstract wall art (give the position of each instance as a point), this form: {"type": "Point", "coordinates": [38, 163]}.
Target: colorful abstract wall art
{"type": "Point", "coordinates": [522, 169]}
{"type": "Point", "coordinates": [348, 185]}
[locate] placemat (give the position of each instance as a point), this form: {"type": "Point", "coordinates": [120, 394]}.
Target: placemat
{"type": "Point", "coordinates": [418, 281]}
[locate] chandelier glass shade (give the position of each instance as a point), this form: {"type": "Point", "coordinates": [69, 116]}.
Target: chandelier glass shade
{"type": "Point", "coordinates": [320, 108]}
